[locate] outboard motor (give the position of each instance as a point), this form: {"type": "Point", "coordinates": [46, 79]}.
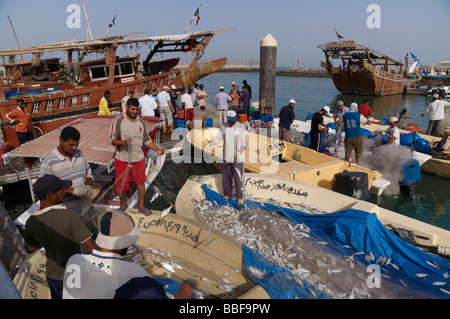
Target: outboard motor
{"type": "Point", "coordinates": [353, 184]}
{"type": "Point", "coordinates": [411, 176]}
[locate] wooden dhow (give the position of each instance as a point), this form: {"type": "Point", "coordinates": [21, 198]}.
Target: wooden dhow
{"type": "Point", "coordinates": [56, 92]}
{"type": "Point", "coordinates": [364, 71]}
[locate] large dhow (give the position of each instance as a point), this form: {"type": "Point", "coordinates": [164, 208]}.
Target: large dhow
{"type": "Point", "coordinates": [304, 241]}
{"type": "Point", "coordinates": [266, 155]}
{"type": "Point", "coordinates": [57, 92]}
{"type": "Point", "coordinates": [364, 71]}
{"type": "Point", "coordinates": [174, 250]}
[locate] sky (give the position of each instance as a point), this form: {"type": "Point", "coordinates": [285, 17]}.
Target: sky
{"type": "Point", "coordinates": [395, 28]}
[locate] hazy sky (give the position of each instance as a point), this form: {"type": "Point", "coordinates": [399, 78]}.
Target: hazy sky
{"type": "Point", "coordinates": [417, 26]}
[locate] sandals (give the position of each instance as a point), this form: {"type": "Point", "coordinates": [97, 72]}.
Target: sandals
{"type": "Point", "coordinates": [145, 211]}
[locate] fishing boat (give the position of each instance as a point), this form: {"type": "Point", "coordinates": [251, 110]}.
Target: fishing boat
{"type": "Point", "coordinates": [98, 152]}
{"type": "Point", "coordinates": [432, 165]}
{"type": "Point", "coordinates": [57, 92]}
{"type": "Point", "coordinates": [317, 234]}
{"type": "Point", "coordinates": [364, 71]}
{"type": "Point", "coordinates": [175, 250]}
{"type": "Point", "coordinates": [267, 155]}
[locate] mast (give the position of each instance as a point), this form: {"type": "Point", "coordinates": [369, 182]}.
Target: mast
{"type": "Point", "coordinates": [87, 21]}
{"type": "Point", "coordinates": [15, 35]}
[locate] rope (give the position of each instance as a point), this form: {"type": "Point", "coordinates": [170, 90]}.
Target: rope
{"type": "Point", "coordinates": [443, 250]}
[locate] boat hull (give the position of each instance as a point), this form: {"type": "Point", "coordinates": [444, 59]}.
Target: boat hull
{"type": "Point", "coordinates": [49, 111]}
{"type": "Point", "coordinates": [186, 240]}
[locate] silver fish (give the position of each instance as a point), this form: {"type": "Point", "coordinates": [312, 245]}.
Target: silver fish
{"type": "Point", "coordinates": [439, 283]}
{"type": "Point", "coordinates": [167, 266]}
{"type": "Point", "coordinates": [433, 263]}
{"type": "Point", "coordinates": [155, 196]}
{"type": "Point", "coordinates": [419, 275]}
{"type": "Point", "coordinates": [166, 211]}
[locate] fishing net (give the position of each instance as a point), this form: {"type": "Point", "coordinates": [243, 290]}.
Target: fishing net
{"type": "Point", "coordinates": [305, 252]}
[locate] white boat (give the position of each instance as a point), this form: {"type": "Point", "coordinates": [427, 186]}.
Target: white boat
{"type": "Point", "coordinates": [294, 223]}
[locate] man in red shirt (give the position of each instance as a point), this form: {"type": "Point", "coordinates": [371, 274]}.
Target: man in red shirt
{"type": "Point", "coordinates": [23, 125]}
{"type": "Point", "coordinates": [365, 109]}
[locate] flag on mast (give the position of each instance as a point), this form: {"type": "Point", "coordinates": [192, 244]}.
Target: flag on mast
{"type": "Point", "coordinates": [338, 35]}
{"type": "Point", "coordinates": [196, 15]}
{"type": "Point", "coordinates": [111, 24]}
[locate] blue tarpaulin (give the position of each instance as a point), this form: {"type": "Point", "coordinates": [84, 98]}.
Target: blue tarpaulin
{"type": "Point", "coordinates": [362, 231]}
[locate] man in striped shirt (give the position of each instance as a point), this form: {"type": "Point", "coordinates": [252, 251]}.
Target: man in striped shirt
{"type": "Point", "coordinates": [68, 163]}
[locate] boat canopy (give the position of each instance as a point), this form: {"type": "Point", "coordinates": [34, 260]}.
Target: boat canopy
{"type": "Point", "coordinates": [352, 51]}
{"type": "Point", "coordinates": [104, 44]}
{"type": "Point", "coordinates": [94, 141]}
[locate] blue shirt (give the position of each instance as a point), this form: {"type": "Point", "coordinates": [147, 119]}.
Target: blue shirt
{"type": "Point", "coordinates": [352, 124]}
{"type": "Point", "coordinates": [267, 119]}
{"type": "Point", "coordinates": [287, 115]}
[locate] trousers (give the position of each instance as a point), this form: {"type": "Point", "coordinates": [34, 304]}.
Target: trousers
{"type": "Point", "coordinates": [230, 172]}
{"type": "Point", "coordinates": [356, 143]}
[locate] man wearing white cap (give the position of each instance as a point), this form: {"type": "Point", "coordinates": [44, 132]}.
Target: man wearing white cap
{"type": "Point", "coordinates": [316, 127]}
{"type": "Point", "coordinates": [287, 117]}
{"type": "Point", "coordinates": [392, 133]}
{"type": "Point", "coordinates": [221, 101]}
{"type": "Point", "coordinates": [104, 274]}
{"type": "Point", "coordinates": [354, 138]}
{"type": "Point", "coordinates": [234, 138]}
{"type": "Point", "coordinates": [437, 113]}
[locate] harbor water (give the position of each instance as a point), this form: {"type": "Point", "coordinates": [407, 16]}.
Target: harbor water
{"type": "Point", "coordinates": [431, 203]}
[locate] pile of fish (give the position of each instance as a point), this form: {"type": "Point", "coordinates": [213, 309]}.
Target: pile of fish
{"type": "Point", "coordinates": [316, 265]}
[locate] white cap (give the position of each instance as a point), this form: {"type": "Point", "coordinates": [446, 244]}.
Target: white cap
{"type": "Point", "coordinates": [173, 87]}
{"type": "Point", "coordinates": [326, 108]}
{"type": "Point", "coordinates": [221, 88]}
{"type": "Point", "coordinates": [292, 101]}
{"type": "Point", "coordinates": [233, 82]}
{"type": "Point", "coordinates": [447, 128]}
{"type": "Point", "coordinates": [231, 115]}
{"type": "Point", "coordinates": [393, 119]}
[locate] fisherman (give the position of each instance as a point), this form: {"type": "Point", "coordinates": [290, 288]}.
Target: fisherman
{"type": "Point", "coordinates": [365, 109]}
{"type": "Point", "coordinates": [437, 113]}
{"type": "Point", "coordinates": [202, 95]}
{"type": "Point", "coordinates": [186, 103]}
{"type": "Point", "coordinates": [235, 101]}
{"type": "Point", "coordinates": [245, 99]}
{"type": "Point", "coordinates": [247, 86]}
{"type": "Point", "coordinates": [221, 100]}
{"type": "Point", "coordinates": [165, 109]}
{"type": "Point", "coordinates": [392, 133]}
{"type": "Point", "coordinates": [234, 138]}
{"type": "Point", "coordinates": [401, 116]}
{"type": "Point", "coordinates": [23, 125]}
{"type": "Point", "coordinates": [103, 108]}
{"type": "Point", "coordinates": [440, 147]}
{"type": "Point", "coordinates": [339, 111]}
{"type": "Point", "coordinates": [129, 133]}
{"type": "Point", "coordinates": [354, 138]}
{"type": "Point", "coordinates": [316, 127]}
{"type": "Point", "coordinates": [147, 104]}
{"type": "Point", "coordinates": [104, 274]}
{"type": "Point", "coordinates": [198, 122]}
{"type": "Point", "coordinates": [194, 94]}
{"type": "Point", "coordinates": [287, 117]}
{"type": "Point", "coordinates": [125, 99]}
{"type": "Point", "coordinates": [68, 163]}
{"type": "Point", "coordinates": [266, 118]}
{"type": "Point", "coordinates": [59, 230]}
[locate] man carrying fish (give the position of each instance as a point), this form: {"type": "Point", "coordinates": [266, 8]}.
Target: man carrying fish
{"type": "Point", "coordinates": [234, 138]}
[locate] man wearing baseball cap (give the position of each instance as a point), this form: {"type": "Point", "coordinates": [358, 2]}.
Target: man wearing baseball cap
{"type": "Point", "coordinates": [392, 133]}
{"type": "Point", "coordinates": [317, 127]}
{"type": "Point", "coordinates": [287, 117]}
{"type": "Point", "coordinates": [234, 137]}
{"type": "Point", "coordinates": [59, 230]}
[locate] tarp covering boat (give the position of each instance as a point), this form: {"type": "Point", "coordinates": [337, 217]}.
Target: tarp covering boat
{"type": "Point", "coordinates": [347, 233]}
